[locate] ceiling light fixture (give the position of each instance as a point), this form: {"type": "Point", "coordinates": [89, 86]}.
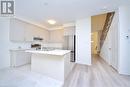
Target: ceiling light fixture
{"type": "Point", "coordinates": [52, 22]}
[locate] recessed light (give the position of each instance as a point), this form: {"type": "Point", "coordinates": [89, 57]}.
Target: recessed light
{"type": "Point", "coordinates": [52, 22]}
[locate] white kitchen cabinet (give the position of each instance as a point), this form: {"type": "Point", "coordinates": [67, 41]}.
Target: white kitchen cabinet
{"type": "Point", "coordinates": [29, 33]}
{"type": "Point", "coordinates": [22, 31]}
{"type": "Point", "coordinates": [45, 34]}
{"type": "Point", "coordinates": [68, 31]}
{"type": "Point", "coordinates": [35, 32]}
{"type": "Point", "coordinates": [38, 32]}
{"type": "Point", "coordinates": [56, 36]}
{"type": "Point", "coordinates": [19, 58]}
{"type": "Point", "coordinates": [16, 30]}
{"type": "Point", "coordinates": [32, 31]}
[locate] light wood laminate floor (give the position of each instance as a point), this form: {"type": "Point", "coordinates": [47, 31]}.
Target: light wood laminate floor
{"type": "Point", "coordinates": [100, 74]}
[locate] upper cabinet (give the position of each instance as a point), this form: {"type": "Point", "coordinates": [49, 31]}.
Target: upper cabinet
{"type": "Point", "coordinates": [56, 36]}
{"type": "Point", "coordinates": [68, 31]}
{"type": "Point", "coordinates": [23, 31]}
{"type": "Point", "coordinates": [45, 34]}
{"type": "Point", "coordinates": [29, 32]}
{"type": "Point", "coordinates": [17, 30]}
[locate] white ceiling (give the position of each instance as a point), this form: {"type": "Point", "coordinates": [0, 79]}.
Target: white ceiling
{"type": "Point", "coordinates": [63, 11]}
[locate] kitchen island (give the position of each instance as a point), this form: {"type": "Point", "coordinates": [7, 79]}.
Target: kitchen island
{"type": "Point", "coordinates": [55, 63]}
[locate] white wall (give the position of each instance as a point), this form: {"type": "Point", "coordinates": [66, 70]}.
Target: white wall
{"type": "Point", "coordinates": [104, 52]}
{"type": "Point", "coordinates": [124, 45]}
{"type": "Point", "coordinates": [109, 50]}
{"type": "Point", "coordinates": [114, 29]}
{"type": "Point", "coordinates": [83, 41]}
{"type": "Point", "coordinates": [118, 32]}
{"type": "Point", "coordinates": [4, 43]}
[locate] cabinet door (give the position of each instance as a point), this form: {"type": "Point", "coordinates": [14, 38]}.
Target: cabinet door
{"type": "Point", "coordinates": [69, 31]}
{"type": "Point", "coordinates": [16, 30]}
{"type": "Point", "coordinates": [19, 58]}
{"type": "Point", "coordinates": [56, 36]}
{"type": "Point", "coordinates": [41, 34]}
{"type": "Point", "coordinates": [29, 33]}
{"type": "Point", "coordinates": [35, 31]}
{"type": "Point", "coordinates": [45, 35]}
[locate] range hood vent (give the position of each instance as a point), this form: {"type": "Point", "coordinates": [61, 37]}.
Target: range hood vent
{"type": "Point", "coordinates": [37, 39]}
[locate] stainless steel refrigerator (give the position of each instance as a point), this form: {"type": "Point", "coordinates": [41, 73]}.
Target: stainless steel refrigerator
{"type": "Point", "coordinates": [69, 44]}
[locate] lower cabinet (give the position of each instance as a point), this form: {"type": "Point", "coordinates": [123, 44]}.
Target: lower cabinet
{"type": "Point", "coordinates": [19, 58]}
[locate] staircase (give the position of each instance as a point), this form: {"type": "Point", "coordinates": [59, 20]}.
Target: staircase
{"type": "Point", "coordinates": [106, 27]}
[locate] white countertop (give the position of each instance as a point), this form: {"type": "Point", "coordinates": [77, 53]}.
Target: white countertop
{"type": "Point", "coordinates": [18, 49]}
{"type": "Point", "coordinates": [52, 52]}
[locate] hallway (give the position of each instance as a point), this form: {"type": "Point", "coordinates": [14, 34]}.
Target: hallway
{"type": "Point", "coordinates": [100, 74]}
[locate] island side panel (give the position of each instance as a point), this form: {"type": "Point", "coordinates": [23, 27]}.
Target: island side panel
{"type": "Point", "coordinates": [68, 66]}
{"type": "Point", "coordinates": [49, 65]}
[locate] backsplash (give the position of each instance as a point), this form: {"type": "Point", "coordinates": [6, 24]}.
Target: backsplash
{"type": "Point", "coordinates": [20, 45]}
{"type": "Point", "coordinates": [27, 45]}
{"type": "Point", "coordinates": [53, 45]}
